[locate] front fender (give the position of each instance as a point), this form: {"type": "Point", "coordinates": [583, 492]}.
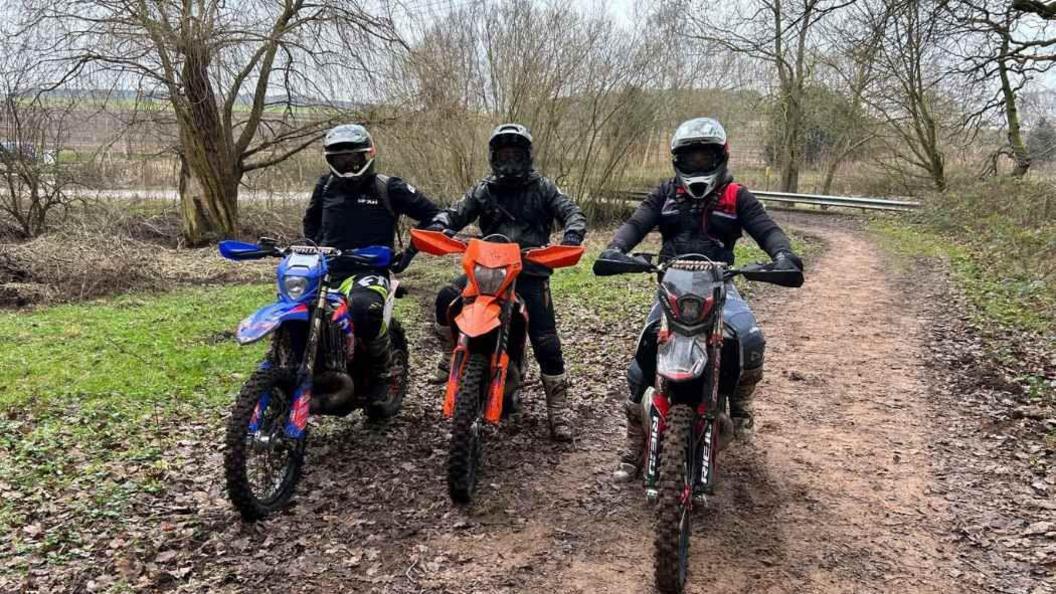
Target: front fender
{"type": "Point", "coordinates": [479, 317]}
{"type": "Point", "coordinates": [266, 319]}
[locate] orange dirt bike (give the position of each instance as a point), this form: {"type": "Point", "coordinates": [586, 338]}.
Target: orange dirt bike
{"type": "Point", "coordinates": [685, 415]}
{"type": "Point", "coordinates": [490, 329]}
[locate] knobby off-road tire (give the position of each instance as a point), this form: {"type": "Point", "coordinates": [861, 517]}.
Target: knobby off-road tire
{"type": "Point", "coordinates": [463, 459]}
{"type": "Point", "coordinates": [390, 407]}
{"type": "Point", "coordinates": [280, 383]}
{"type": "Point", "coordinates": [672, 529]}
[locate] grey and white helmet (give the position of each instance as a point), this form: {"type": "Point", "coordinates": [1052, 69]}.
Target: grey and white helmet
{"type": "Point", "coordinates": [350, 152]}
{"type": "Point", "coordinates": [700, 153]}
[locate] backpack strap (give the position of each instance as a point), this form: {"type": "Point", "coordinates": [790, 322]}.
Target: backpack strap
{"type": "Point", "coordinates": [381, 189]}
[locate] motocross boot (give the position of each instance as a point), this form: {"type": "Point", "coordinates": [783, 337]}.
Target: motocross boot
{"type": "Point", "coordinates": [741, 402]}
{"type": "Point", "coordinates": [379, 361]}
{"type": "Point", "coordinates": [557, 413]}
{"type": "Point", "coordinates": [443, 366]}
{"type": "Point", "coordinates": [633, 446]}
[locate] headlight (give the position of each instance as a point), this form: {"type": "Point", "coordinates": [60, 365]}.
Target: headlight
{"type": "Point", "coordinates": [693, 309]}
{"type": "Point", "coordinates": [294, 286]}
{"type": "Point", "coordinates": [489, 279]}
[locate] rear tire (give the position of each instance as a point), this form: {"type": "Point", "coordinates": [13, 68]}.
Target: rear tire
{"type": "Point", "coordinates": [244, 449]}
{"type": "Point", "coordinates": [390, 407]}
{"type": "Point", "coordinates": [463, 459]}
{"type": "Point", "coordinates": [672, 529]}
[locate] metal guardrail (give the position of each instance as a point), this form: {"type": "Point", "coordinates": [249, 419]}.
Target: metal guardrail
{"type": "Point", "coordinates": [824, 201]}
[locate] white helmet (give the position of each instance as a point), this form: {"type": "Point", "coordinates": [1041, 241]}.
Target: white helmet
{"type": "Point", "coordinates": [349, 151]}
{"type": "Point", "coordinates": [700, 153]}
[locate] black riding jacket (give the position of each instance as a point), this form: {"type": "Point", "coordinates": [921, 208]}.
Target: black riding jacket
{"type": "Point", "coordinates": [710, 227]}
{"type": "Point", "coordinates": [523, 212]}
{"type": "Point", "coordinates": [347, 214]}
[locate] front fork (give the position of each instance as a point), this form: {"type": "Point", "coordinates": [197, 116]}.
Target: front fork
{"type": "Point", "coordinates": [701, 458]}
{"type": "Point", "coordinates": [499, 367]}
{"type": "Point", "coordinates": [302, 396]}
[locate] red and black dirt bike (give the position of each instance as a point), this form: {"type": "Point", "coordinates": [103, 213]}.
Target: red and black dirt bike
{"type": "Point", "coordinates": [490, 330]}
{"type": "Point", "coordinates": [685, 413]}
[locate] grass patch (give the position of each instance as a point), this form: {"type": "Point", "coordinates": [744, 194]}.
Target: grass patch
{"type": "Point", "coordinates": [95, 397]}
{"type": "Point", "coordinates": [996, 293]}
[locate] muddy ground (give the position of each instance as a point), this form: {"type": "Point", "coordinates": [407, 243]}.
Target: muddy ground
{"type": "Point", "coordinates": [884, 461]}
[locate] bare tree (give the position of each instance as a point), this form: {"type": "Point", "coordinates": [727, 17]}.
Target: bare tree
{"type": "Point", "coordinates": [34, 126]}
{"type": "Point", "coordinates": [783, 33]}
{"type": "Point", "coordinates": [249, 83]}
{"type": "Point", "coordinates": [851, 69]}
{"type": "Point", "coordinates": [908, 93]}
{"type": "Point", "coordinates": [1045, 10]}
{"type": "Point", "coordinates": [589, 90]}
{"type": "Point", "coordinates": [988, 41]}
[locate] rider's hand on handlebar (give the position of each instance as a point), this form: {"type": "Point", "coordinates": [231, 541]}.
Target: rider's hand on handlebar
{"type": "Point", "coordinates": [786, 260]}
{"type": "Point", "coordinates": [573, 239]}
{"type": "Point", "coordinates": [403, 260]}
{"type": "Point", "coordinates": [442, 228]}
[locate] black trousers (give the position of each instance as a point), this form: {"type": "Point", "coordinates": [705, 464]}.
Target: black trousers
{"type": "Point", "coordinates": [542, 325]}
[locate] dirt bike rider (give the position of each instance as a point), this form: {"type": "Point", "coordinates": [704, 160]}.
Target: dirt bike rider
{"type": "Point", "coordinates": [702, 211]}
{"type": "Point", "coordinates": [518, 202]}
{"type": "Point", "coordinates": [354, 207]}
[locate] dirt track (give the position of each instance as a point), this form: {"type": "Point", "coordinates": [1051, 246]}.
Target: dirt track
{"type": "Point", "coordinates": [838, 492]}
{"type": "Point", "coordinates": [832, 495]}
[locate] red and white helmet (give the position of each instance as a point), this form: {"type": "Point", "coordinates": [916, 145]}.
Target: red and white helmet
{"type": "Point", "coordinates": [700, 153]}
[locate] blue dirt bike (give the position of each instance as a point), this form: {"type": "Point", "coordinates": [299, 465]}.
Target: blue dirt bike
{"type": "Point", "coordinates": [311, 368]}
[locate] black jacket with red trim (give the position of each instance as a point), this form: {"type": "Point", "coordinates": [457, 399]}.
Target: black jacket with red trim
{"type": "Point", "coordinates": [710, 227]}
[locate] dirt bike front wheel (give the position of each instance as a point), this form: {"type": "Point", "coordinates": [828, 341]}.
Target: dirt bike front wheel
{"type": "Point", "coordinates": [672, 528]}
{"type": "Point", "coordinates": [262, 465]}
{"type": "Point", "coordinates": [467, 431]}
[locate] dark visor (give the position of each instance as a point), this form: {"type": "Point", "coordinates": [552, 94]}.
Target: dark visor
{"type": "Point", "coordinates": [700, 159]}
{"type": "Point", "coordinates": [348, 162]}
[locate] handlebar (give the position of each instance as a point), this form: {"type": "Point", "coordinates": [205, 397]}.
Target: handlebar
{"type": "Point", "coordinates": [491, 238]}
{"type": "Point", "coordinates": [269, 248]}
{"type": "Point", "coordinates": [642, 262]}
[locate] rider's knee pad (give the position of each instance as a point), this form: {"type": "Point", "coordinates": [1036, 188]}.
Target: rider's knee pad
{"type": "Point", "coordinates": [753, 349]}
{"type": "Point", "coordinates": [750, 337]}
{"type": "Point", "coordinates": [368, 313]}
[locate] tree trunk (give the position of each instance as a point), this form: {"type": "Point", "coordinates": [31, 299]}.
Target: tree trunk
{"type": "Point", "coordinates": [209, 172]}
{"type": "Point", "coordinates": [789, 157]}
{"type": "Point", "coordinates": [830, 175]}
{"type": "Point", "coordinates": [1015, 136]}
{"type": "Point", "coordinates": [208, 204]}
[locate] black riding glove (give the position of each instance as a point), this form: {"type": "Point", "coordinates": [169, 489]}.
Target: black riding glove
{"type": "Point", "coordinates": [786, 260]}
{"type": "Point", "coordinates": [403, 260]}
{"type": "Point", "coordinates": [574, 239]}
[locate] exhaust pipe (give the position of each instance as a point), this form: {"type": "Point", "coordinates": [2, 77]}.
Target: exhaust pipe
{"type": "Point", "coordinates": [335, 394]}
